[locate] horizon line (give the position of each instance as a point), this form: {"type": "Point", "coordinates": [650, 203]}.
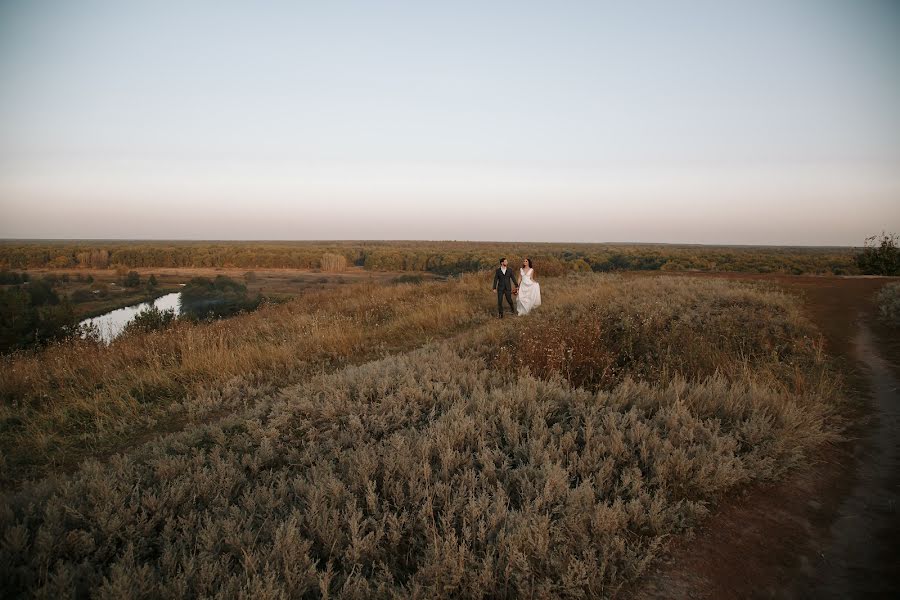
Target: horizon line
{"type": "Point", "coordinates": [469, 241]}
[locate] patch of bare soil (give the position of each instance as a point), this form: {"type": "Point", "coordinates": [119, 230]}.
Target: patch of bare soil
{"type": "Point", "coordinates": [831, 531]}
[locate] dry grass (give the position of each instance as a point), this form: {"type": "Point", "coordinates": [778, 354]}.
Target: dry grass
{"type": "Point", "coordinates": [655, 329]}
{"type": "Point", "coordinates": [80, 395]}
{"type": "Point", "coordinates": [454, 470]}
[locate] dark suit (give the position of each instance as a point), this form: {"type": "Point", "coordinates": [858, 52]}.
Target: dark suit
{"type": "Point", "coordinates": [504, 284]}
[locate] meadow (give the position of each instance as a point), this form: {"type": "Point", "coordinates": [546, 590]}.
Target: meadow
{"type": "Point", "coordinates": [398, 441]}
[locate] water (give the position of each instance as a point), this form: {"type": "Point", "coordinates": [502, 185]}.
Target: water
{"type": "Point", "coordinates": [112, 323]}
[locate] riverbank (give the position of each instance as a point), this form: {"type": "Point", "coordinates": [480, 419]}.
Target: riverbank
{"type": "Point", "coordinates": [274, 284]}
{"type": "Point", "coordinates": [102, 306]}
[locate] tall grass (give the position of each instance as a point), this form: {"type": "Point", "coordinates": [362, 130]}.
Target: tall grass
{"type": "Point", "coordinates": [81, 397]}
{"type": "Point", "coordinates": [496, 464]}
{"type": "Point", "coordinates": [655, 329]}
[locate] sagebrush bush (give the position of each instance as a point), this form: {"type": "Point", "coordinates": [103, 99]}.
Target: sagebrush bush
{"type": "Point", "coordinates": [424, 474]}
{"type": "Point", "coordinates": [444, 471]}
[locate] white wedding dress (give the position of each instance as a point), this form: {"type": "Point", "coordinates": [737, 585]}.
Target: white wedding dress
{"type": "Point", "coordinates": [529, 296]}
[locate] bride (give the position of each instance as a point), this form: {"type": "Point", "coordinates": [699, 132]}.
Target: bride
{"type": "Point", "coordinates": [529, 295]}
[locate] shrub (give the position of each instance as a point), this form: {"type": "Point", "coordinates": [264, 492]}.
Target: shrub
{"type": "Point", "coordinates": [150, 319]}
{"type": "Point", "coordinates": [33, 317]}
{"type": "Point", "coordinates": [203, 298]}
{"type": "Point", "coordinates": [11, 278]}
{"type": "Point", "coordinates": [132, 279]}
{"type": "Point", "coordinates": [880, 256]}
{"type": "Point", "coordinates": [420, 475]}
{"type": "Point", "coordinates": [41, 292]}
{"type": "Point", "coordinates": [655, 328]}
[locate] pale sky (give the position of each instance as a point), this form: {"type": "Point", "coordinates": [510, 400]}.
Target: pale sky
{"type": "Point", "coordinates": [758, 122]}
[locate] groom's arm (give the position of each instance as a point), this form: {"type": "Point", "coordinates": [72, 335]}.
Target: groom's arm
{"type": "Point", "coordinates": [494, 286]}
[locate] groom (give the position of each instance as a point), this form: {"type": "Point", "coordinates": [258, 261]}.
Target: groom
{"type": "Point", "coordinates": [505, 284]}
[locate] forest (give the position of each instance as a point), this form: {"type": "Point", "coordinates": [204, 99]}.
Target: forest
{"type": "Point", "coordinates": [442, 258]}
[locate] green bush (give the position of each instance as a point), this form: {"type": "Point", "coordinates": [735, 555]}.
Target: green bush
{"type": "Point", "coordinates": [880, 256]}
{"type": "Point", "coordinates": [41, 292]}
{"type": "Point", "coordinates": [203, 298]}
{"type": "Point", "coordinates": [150, 319]}
{"type": "Point", "coordinates": [25, 323]}
{"type": "Point", "coordinates": [132, 279]}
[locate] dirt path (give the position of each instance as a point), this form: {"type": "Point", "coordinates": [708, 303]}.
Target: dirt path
{"type": "Point", "coordinates": [863, 557]}
{"type": "Point", "coordinates": [832, 531]}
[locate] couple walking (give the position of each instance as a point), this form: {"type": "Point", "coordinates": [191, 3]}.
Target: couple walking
{"type": "Point", "coordinates": [528, 292]}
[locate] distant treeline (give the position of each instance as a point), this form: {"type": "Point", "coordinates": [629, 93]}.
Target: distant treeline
{"type": "Point", "coordinates": [445, 258]}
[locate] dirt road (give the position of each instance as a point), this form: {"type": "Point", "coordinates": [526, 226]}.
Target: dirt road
{"type": "Point", "coordinates": [862, 559]}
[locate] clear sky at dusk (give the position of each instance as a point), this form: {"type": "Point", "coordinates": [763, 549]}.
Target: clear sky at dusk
{"type": "Point", "coordinates": [758, 122]}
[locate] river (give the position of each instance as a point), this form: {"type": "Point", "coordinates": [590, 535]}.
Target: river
{"type": "Point", "coordinates": [112, 323]}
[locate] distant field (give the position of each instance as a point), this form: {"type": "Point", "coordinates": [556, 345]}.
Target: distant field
{"type": "Point", "coordinates": [374, 440]}
{"type": "Point", "coordinates": [442, 258]}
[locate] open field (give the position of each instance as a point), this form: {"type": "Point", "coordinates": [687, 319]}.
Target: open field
{"type": "Point", "coordinates": [408, 443]}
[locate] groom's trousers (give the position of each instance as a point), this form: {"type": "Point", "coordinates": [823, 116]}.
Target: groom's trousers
{"type": "Point", "coordinates": [504, 292]}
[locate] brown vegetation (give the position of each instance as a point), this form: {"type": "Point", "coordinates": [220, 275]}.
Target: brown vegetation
{"type": "Point", "coordinates": [83, 395]}
{"type": "Point", "coordinates": [435, 257]}
{"type": "Point", "coordinates": [503, 463]}
{"type": "Point", "coordinates": [333, 262]}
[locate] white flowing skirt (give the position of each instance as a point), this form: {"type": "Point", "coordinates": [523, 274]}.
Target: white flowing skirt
{"type": "Point", "coordinates": [529, 296]}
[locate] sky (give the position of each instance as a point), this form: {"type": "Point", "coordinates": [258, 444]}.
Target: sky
{"type": "Point", "coordinates": [719, 122]}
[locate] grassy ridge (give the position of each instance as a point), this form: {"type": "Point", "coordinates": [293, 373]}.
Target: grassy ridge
{"type": "Point", "coordinates": [436, 257]}
{"type": "Point", "coordinates": [502, 463]}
